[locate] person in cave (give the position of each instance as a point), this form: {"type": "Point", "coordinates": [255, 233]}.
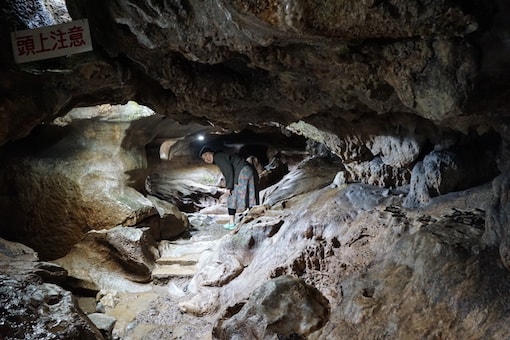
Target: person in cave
{"type": "Point", "coordinates": [241, 180]}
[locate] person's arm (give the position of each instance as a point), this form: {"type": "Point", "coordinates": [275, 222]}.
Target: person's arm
{"type": "Point", "coordinates": [223, 162]}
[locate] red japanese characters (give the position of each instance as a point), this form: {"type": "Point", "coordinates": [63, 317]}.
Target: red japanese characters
{"type": "Point", "coordinates": [51, 41]}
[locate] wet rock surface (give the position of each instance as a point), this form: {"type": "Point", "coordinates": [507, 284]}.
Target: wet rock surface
{"type": "Point", "coordinates": [357, 246]}
{"type": "Point", "coordinates": [31, 308]}
{"type": "Point", "coordinates": [72, 176]}
{"type": "Point", "coordinates": [31, 304]}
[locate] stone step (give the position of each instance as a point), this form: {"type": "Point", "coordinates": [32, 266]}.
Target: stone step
{"type": "Point", "coordinates": [183, 248]}
{"type": "Point", "coordinates": [185, 259]}
{"type": "Point", "coordinates": [173, 270]}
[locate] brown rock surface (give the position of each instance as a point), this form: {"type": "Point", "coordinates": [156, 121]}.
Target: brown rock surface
{"type": "Point", "coordinates": [284, 306]}
{"type": "Point", "coordinates": [274, 62]}
{"type": "Point", "coordinates": [409, 96]}
{"type": "Point", "coordinates": [114, 259]}
{"type": "Point", "coordinates": [66, 180]}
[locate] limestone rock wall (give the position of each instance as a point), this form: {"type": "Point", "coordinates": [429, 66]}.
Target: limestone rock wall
{"type": "Point", "coordinates": [238, 63]}
{"type": "Point", "coordinates": [64, 181]}
{"type": "Point", "coordinates": [379, 84]}
{"type": "Point", "coordinates": [383, 269]}
{"type": "Point", "coordinates": [406, 94]}
{"type": "Point", "coordinates": [259, 58]}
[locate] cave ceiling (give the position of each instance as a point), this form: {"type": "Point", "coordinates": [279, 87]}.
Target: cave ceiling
{"type": "Point", "coordinates": [265, 63]}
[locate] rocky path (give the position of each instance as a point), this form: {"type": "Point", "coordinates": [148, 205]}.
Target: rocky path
{"type": "Point", "coordinates": [155, 314]}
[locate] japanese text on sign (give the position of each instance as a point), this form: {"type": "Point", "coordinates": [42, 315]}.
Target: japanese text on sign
{"type": "Point", "coordinates": [51, 41]}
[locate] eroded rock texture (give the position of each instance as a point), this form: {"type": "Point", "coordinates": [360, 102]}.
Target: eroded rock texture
{"type": "Point", "coordinates": [112, 259]}
{"type": "Point", "coordinates": [66, 180]}
{"type": "Point", "coordinates": [383, 269]}
{"type": "Point", "coordinates": [273, 71]}
{"type": "Point", "coordinates": [284, 306]}
{"type": "Point", "coordinates": [381, 84]}
{"type": "Point", "coordinates": [32, 304]}
{"type": "Point", "coordinates": [258, 62]}
{"type": "Point", "coordinates": [408, 98]}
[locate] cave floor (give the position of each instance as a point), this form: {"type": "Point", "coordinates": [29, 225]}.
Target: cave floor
{"type": "Point", "coordinates": [155, 313]}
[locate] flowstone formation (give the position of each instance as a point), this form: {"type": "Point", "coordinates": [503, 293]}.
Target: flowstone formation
{"type": "Point", "coordinates": [81, 173]}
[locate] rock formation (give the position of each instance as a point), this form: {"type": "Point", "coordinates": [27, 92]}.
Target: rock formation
{"type": "Point", "coordinates": [383, 269]}
{"type": "Point", "coordinates": [66, 180]}
{"type": "Point", "coordinates": [284, 306]}
{"type": "Point", "coordinates": [32, 306]}
{"type": "Point", "coordinates": [398, 218]}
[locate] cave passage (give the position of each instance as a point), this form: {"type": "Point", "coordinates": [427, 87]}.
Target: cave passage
{"type": "Point", "coordinates": [379, 133]}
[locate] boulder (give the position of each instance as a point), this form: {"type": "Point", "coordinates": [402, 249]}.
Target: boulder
{"type": "Point", "coordinates": [169, 223]}
{"type": "Point", "coordinates": [284, 306]}
{"type": "Point", "coordinates": [43, 310]}
{"type": "Point", "coordinates": [31, 304]}
{"type": "Point", "coordinates": [118, 259]}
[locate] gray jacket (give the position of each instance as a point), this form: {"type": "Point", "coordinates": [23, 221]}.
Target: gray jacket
{"type": "Point", "coordinates": [230, 166]}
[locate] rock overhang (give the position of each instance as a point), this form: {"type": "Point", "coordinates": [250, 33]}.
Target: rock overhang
{"type": "Point", "coordinates": [240, 63]}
